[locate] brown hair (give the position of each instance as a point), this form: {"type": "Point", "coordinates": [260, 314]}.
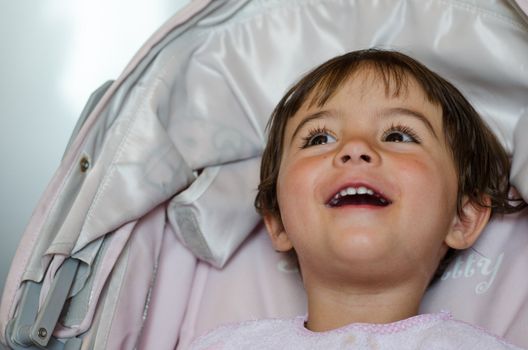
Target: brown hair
{"type": "Point", "coordinates": [482, 164]}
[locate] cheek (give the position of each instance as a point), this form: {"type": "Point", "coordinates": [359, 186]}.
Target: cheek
{"type": "Point", "coordinates": [296, 185]}
{"type": "Point", "coordinates": [430, 188]}
{"type": "Point", "coordinates": [296, 178]}
{"type": "Point", "coordinates": [432, 182]}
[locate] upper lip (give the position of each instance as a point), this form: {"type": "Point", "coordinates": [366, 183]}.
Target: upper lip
{"type": "Point", "coordinates": [376, 188]}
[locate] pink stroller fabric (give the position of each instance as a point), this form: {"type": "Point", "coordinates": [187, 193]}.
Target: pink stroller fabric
{"type": "Point", "coordinates": [151, 209]}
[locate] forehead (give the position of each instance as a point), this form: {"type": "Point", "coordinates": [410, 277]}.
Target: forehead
{"type": "Point", "coordinates": [368, 84]}
{"type": "Point", "coordinates": [394, 81]}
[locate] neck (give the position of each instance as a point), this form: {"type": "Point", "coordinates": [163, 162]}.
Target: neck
{"type": "Point", "coordinates": [331, 307]}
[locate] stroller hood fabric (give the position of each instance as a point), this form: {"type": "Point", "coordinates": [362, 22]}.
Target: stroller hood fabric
{"type": "Point", "coordinates": [147, 231]}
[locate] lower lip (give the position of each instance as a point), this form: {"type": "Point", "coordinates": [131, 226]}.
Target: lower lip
{"type": "Point", "coordinates": [359, 206]}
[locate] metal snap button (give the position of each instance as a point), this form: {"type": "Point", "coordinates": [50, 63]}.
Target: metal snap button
{"type": "Point", "coordinates": [84, 164]}
{"type": "Point", "coordinates": [42, 332]}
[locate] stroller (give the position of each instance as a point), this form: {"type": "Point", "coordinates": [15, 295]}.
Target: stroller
{"type": "Point", "coordinates": [146, 237]}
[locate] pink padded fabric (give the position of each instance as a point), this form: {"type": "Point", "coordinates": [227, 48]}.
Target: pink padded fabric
{"type": "Point", "coordinates": [523, 4]}
{"type": "Point", "coordinates": [428, 331]}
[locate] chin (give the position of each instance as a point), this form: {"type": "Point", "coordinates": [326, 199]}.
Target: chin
{"type": "Point", "coordinates": [364, 244]}
{"type": "Point", "coordinates": [362, 252]}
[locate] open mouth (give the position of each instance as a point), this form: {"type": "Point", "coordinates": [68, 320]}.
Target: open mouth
{"type": "Point", "coordinates": [361, 195]}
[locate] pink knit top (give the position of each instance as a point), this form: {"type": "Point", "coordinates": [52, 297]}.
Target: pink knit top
{"type": "Point", "coordinates": [428, 331]}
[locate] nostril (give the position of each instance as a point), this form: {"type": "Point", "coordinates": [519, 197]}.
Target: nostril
{"type": "Point", "coordinates": [345, 158]}
{"type": "Point", "coordinates": [366, 158]}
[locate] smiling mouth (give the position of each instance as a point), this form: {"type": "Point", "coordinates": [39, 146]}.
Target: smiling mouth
{"type": "Point", "coordinates": [361, 195]}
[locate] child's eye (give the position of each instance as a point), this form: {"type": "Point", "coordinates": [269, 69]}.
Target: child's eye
{"type": "Point", "coordinates": [319, 136]}
{"type": "Point", "coordinates": [400, 133]}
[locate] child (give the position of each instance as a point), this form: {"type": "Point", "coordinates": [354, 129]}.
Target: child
{"type": "Point", "coordinates": [376, 169]}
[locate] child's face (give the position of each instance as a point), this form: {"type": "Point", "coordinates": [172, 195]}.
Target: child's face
{"type": "Point", "coordinates": [363, 139]}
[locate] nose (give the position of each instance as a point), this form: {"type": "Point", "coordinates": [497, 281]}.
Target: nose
{"type": "Point", "coordinates": [356, 152]}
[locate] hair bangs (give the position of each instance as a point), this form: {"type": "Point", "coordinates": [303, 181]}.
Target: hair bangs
{"type": "Point", "coordinates": [394, 77]}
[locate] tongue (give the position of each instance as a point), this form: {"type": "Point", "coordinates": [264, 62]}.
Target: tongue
{"type": "Point", "coordinates": [358, 199]}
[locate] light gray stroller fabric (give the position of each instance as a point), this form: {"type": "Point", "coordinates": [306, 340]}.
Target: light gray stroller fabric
{"type": "Point", "coordinates": [152, 205]}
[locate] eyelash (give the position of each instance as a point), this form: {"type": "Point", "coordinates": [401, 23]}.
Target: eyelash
{"type": "Point", "coordinates": [404, 129]}
{"type": "Point", "coordinates": [314, 132]}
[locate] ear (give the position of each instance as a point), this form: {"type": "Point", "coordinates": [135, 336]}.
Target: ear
{"type": "Point", "coordinates": [276, 232]}
{"type": "Point", "coordinates": [466, 228]}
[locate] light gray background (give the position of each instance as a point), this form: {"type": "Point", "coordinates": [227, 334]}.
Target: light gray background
{"type": "Point", "coordinates": [54, 53]}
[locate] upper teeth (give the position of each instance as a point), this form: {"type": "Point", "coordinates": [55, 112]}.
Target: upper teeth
{"type": "Point", "coordinates": [353, 191]}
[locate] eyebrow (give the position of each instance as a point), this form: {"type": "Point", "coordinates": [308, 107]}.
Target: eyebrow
{"type": "Point", "coordinates": [310, 117]}
{"type": "Point", "coordinates": [385, 113]}
{"type": "Point", "coordinates": [411, 113]}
